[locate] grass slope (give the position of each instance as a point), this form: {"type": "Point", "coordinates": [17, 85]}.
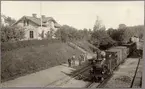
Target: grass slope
{"type": "Point", "coordinates": [22, 61]}
{"type": "Point", "coordinates": [85, 45]}
{"type": "Point", "coordinates": [19, 62]}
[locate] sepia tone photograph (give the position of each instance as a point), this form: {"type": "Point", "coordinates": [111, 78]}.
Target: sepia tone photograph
{"type": "Point", "coordinates": [72, 44]}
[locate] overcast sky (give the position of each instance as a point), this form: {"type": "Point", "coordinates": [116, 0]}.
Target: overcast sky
{"type": "Point", "coordinates": [80, 14]}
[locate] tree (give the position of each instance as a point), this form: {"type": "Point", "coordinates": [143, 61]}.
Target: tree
{"type": "Point", "coordinates": [101, 38]}
{"type": "Point", "coordinates": [9, 33]}
{"type": "Point", "coordinates": [62, 33]}
{"type": "Point", "coordinates": [102, 28]}
{"type": "Point", "coordinates": [8, 20]}
{"type": "Point", "coordinates": [110, 32]}
{"type": "Point", "coordinates": [123, 35]}
{"type": "Point", "coordinates": [97, 25]}
{"type": "Point", "coordinates": [122, 26]}
{"type": "Point", "coordinates": [68, 33]}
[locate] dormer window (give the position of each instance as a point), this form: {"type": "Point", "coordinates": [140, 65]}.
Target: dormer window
{"type": "Point", "coordinates": [24, 22]}
{"type": "Point", "coordinates": [27, 22]}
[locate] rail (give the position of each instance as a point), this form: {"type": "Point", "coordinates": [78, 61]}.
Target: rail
{"type": "Point", "coordinates": [132, 83]}
{"type": "Point", "coordinates": [66, 79]}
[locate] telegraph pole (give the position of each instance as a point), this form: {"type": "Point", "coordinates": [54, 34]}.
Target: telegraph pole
{"type": "Point", "coordinates": [41, 13]}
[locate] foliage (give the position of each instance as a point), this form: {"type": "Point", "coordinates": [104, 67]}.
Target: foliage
{"type": "Point", "coordinates": [122, 26]}
{"type": "Point", "coordinates": [8, 20]}
{"type": "Point", "coordinates": [14, 33]}
{"type": "Point", "coordinates": [68, 33]}
{"type": "Point", "coordinates": [123, 35]}
{"type": "Point", "coordinates": [8, 46]}
{"type": "Point", "coordinates": [101, 38]}
{"type": "Point", "coordinates": [97, 24]}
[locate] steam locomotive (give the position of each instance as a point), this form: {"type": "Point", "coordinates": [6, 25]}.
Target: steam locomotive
{"type": "Point", "coordinates": [115, 56]}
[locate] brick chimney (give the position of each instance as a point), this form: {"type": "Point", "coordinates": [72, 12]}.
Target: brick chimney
{"type": "Point", "coordinates": [34, 15]}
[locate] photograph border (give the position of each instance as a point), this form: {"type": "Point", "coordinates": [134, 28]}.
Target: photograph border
{"type": "Point", "coordinates": [143, 71]}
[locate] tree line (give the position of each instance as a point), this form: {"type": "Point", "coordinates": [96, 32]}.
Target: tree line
{"type": "Point", "coordinates": [98, 36]}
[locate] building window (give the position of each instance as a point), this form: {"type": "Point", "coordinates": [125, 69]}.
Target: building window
{"type": "Point", "coordinates": [31, 34]}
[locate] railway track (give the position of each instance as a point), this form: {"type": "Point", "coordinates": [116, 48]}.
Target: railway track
{"type": "Point", "coordinates": [102, 84]}
{"type": "Point", "coordinates": [66, 79]}
{"type": "Point", "coordinates": [136, 71]}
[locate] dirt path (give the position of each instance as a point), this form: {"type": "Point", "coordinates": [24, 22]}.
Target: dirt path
{"type": "Point", "coordinates": [39, 79]}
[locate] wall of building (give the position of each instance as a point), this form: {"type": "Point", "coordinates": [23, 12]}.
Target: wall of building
{"type": "Point", "coordinates": [37, 30]}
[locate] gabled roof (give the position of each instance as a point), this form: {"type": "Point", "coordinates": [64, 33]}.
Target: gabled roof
{"type": "Point", "coordinates": [38, 20]}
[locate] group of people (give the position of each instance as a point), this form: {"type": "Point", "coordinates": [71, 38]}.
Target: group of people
{"type": "Point", "coordinates": [72, 60]}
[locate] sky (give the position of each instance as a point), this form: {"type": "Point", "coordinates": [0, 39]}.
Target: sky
{"type": "Point", "coordinates": [80, 14]}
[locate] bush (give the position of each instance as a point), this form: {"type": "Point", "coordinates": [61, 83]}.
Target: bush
{"type": "Point", "coordinates": [9, 33]}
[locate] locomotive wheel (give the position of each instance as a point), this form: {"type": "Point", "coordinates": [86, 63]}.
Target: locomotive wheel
{"type": "Point", "coordinates": [100, 79]}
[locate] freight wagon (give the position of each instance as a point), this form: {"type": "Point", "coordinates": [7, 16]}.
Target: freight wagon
{"type": "Point", "coordinates": [114, 57]}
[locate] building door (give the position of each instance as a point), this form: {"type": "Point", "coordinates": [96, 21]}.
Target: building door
{"type": "Point", "coordinates": [31, 34]}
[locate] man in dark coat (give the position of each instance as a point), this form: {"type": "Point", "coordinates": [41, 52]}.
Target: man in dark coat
{"type": "Point", "coordinates": [69, 62]}
{"type": "Point", "coordinates": [80, 59]}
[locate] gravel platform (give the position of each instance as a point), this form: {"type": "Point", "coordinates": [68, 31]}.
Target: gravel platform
{"type": "Point", "coordinates": [123, 77]}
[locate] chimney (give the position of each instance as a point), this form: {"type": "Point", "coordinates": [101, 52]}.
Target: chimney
{"type": "Point", "coordinates": [34, 15]}
{"type": "Point", "coordinates": [43, 16]}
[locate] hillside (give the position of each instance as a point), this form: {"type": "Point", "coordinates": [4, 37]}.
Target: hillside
{"type": "Point", "coordinates": [27, 60]}
{"type": "Point", "coordinates": [22, 61]}
{"type": "Point", "coordinates": [85, 45]}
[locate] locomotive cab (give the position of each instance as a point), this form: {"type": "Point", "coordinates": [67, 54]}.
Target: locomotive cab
{"type": "Point", "coordinates": [102, 68]}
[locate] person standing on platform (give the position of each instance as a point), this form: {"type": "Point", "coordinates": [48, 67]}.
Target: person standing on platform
{"type": "Point", "coordinates": [73, 60]}
{"type": "Point", "coordinates": [80, 59]}
{"type": "Point", "coordinates": [69, 62]}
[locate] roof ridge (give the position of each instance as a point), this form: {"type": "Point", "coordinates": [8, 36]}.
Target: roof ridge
{"type": "Point", "coordinates": [37, 20]}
